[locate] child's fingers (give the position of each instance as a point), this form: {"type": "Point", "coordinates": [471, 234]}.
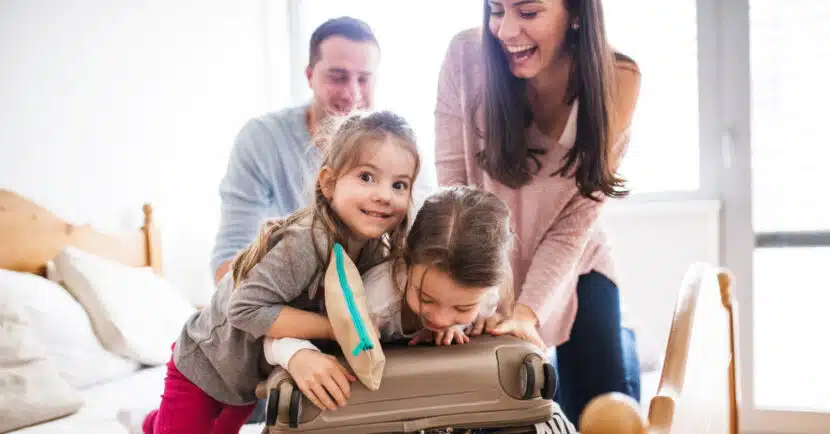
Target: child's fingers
{"type": "Point", "coordinates": [335, 390]}
{"type": "Point", "coordinates": [311, 397]}
{"type": "Point", "coordinates": [342, 382]}
{"type": "Point", "coordinates": [441, 337]}
{"type": "Point", "coordinates": [348, 376]}
{"type": "Point", "coordinates": [478, 327]}
{"type": "Point", "coordinates": [323, 396]}
{"type": "Point", "coordinates": [419, 337]}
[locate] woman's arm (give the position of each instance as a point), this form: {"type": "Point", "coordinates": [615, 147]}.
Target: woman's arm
{"type": "Point", "coordinates": [450, 158]}
{"type": "Point", "coordinates": [258, 304]}
{"type": "Point", "coordinates": [555, 260]}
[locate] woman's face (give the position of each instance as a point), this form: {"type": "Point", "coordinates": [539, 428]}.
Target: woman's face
{"type": "Point", "coordinates": [439, 301]}
{"type": "Point", "coordinates": [531, 32]}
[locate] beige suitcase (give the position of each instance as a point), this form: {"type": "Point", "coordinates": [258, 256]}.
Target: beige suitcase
{"type": "Point", "coordinates": [497, 384]}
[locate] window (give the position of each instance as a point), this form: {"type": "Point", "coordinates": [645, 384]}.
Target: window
{"type": "Point", "coordinates": [664, 152]}
{"type": "Point", "coordinates": [789, 57]}
{"type": "Point", "coordinates": [790, 300]}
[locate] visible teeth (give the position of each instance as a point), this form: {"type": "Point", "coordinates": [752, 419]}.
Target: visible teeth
{"type": "Point", "coordinates": [518, 48]}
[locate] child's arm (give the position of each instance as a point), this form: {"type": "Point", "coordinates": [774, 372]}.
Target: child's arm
{"type": "Point", "coordinates": [300, 324]}
{"type": "Point", "coordinates": [258, 304]}
{"type": "Point", "coordinates": [278, 352]}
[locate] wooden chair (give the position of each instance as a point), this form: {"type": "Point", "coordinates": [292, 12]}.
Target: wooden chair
{"type": "Point", "coordinates": [697, 392]}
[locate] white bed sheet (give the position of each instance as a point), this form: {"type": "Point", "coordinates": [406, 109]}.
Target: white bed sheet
{"type": "Point", "coordinates": [140, 390]}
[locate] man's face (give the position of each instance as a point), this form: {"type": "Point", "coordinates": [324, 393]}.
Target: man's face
{"type": "Point", "coordinates": [343, 79]}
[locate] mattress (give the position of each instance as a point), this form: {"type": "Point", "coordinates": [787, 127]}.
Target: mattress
{"type": "Point", "coordinates": [140, 390]}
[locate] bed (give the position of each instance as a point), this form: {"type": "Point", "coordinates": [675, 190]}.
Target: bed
{"type": "Point", "coordinates": [86, 321]}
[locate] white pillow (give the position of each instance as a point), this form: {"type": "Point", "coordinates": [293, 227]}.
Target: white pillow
{"type": "Point", "coordinates": [31, 389]}
{"type": "Point", "coordinates": [60, 323]}
{"type": "Point", "coordinates": [135, 313]}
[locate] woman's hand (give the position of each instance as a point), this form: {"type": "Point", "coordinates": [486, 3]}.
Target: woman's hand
{"type": "Point", "coordinates": [481, 324]}
{"type": "Point", "coordinates": [444, 337]}
{"type": "Point", "coordinates": [522, 325]}
{"type": "Point", "coordinates": [321, 378]}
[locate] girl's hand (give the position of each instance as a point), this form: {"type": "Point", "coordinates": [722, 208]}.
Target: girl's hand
{"type": "Point", "coordinates": [445, 337]}
{"type": "Point", "coordinates": [321, 378]}
{"type": "Point", "coordinates": [522, 325]}
{"type": "Point", "coordinates": [451, 334]}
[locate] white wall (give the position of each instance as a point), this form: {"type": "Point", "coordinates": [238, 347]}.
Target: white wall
{"type": "Point", "coordinates": [107, 105]}
{"type": "Point", "coordinates": [653, 245]}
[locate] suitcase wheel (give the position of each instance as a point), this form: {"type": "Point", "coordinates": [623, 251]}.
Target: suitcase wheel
{"type": "Point", "coordinates": [529, 373]}
{"type": "Point", "coordinates": [272, 406]}
{"type": "Point", "coordinates": [549, 388]}
{"type": "Point", "coordinates": [295, 408]}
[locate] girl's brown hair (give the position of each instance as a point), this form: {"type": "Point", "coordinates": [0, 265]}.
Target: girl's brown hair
{"type": "Point", "coordinates": [464, 232]}
{"type": "Point", "coordinates": [508, 155]}
{"type": "Point", "coordinates": [345, 141]}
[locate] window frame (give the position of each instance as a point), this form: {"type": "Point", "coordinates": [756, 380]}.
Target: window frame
{"type": "Point", "coordinates": [739, 239]}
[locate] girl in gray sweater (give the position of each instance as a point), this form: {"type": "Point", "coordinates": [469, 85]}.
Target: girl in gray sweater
{"type": "Point", "coordinates": [362, 199]}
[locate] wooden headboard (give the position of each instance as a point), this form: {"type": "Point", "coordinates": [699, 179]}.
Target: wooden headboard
{"type": "Point", "coordinates": [31, 235]}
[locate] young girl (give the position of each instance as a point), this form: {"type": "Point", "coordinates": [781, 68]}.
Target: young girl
{"type": "Point", "coordinates": [452, 272]}
{"type": "Point", "coordinates": [362, 199]}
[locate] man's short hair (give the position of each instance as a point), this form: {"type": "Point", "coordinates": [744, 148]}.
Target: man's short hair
{"type": "Point", "coordinates": [347, 27]}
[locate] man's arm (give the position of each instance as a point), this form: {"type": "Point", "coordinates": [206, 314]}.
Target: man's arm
{"type": "Point", "coordinates": [245, 196]}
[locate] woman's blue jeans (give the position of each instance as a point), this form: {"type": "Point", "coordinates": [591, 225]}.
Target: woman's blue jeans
{"type": "Point", "coordinates": [600, 355]}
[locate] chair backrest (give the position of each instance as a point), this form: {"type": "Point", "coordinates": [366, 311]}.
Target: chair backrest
{"type": "Point", "coordinates": [698, 384]}
{"type": "Point", "coordinates": [697, 392]}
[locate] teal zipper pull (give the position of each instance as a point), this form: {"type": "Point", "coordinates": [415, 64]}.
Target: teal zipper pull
{"type": "Point", "coordinates": [365, 342]}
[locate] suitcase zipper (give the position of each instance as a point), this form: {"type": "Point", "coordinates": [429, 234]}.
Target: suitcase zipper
{"type": "Point", "coordinates": [365, 343]}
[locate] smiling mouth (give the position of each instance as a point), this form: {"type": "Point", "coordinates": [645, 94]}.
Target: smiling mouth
{"type": "Point", "coordinates": [520, 53]}
{"type": "Point", "coordinates": [375, 214]}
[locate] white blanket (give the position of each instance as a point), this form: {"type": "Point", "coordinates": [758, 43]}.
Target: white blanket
{"type": "Point", "coordinates": [140, 390]}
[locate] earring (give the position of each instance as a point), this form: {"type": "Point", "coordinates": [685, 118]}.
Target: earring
{"type": "Point", "coordinates": [575, 26]}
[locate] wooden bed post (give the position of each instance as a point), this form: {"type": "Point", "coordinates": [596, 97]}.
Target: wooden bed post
{"type": "Point", "coordinates": [152, 240]}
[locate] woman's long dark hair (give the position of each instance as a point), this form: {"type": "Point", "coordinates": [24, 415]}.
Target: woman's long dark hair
{"type": "Point", "coordinates": [507, 155]}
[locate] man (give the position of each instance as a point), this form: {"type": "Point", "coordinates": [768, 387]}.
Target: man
{"type": "Point", "coordinates": [273, 162]}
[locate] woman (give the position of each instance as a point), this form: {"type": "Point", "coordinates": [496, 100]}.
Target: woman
{"type": "Point", "coordinates": [535, 107]}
